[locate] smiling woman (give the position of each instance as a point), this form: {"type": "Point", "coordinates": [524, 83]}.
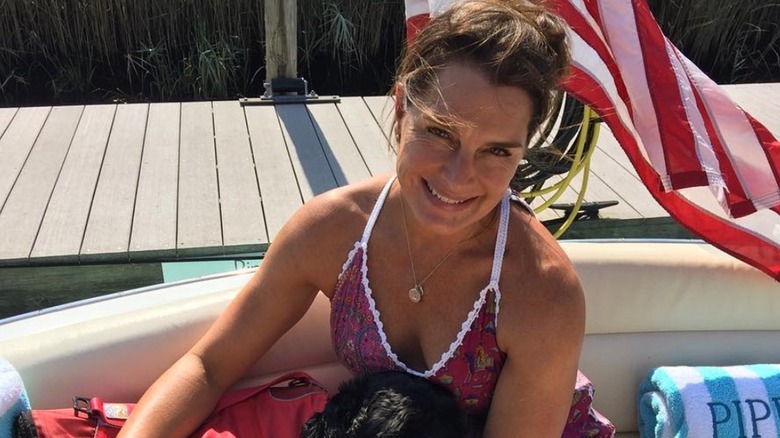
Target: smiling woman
{"type": "Point", "coordinates": [500, 319]}
{"type": "Point", "coordinates": [462, 161]}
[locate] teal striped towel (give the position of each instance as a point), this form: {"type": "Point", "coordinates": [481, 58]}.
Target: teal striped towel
{"type": "Point", "coordinates": [718, 402]}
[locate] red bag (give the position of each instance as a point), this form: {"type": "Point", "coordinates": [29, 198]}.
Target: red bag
{"type": "Point", "coordinates": [89, 418]}
{"type": "Point", "coordinates": [267, 410]}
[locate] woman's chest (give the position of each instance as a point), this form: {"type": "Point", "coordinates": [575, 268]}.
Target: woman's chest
{"type": "Point", "coordinates": [423, 332]}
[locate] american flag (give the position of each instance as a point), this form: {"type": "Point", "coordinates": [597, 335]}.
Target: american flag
{"type": "Point", "coordinates": [712, 166]}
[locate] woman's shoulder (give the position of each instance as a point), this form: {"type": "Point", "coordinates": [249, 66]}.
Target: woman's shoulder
{"type": "Point", "coordinates": [334, 219]}
{"type": "Point", "coordinates": [344, 206]}
{"type": "Point", "coordinates": [538, 281]}
{"type": "Point", "coordinates": [318, 237]}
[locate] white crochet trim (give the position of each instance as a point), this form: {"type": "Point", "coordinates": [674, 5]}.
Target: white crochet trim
{"type": "Point", "coordinates": [478, 304]}
{"type": "Point", "coordinates": [372, 306]}
{"type": "Point", "coordinates": [464, 329]}
{"type": "Point", "coordinates": [447, 355]}
{"type": "Point", "coordinates": [350, 257]}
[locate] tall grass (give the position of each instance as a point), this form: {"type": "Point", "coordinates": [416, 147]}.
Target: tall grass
{"type": "Point", "coordinates": [176, 49]}
{"type": "Point", "coordinates": [97, 50]}
{"type": "Point", "coordinates": [732, 41]}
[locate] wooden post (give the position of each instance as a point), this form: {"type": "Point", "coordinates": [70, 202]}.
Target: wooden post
{"type": "Point", "coordinates": [281, 42]}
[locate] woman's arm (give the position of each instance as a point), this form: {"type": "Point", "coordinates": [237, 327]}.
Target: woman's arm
{"type": "Point", "coordinates": [541, 328]}
{"type": "Point", "coordinates": [276, 297]}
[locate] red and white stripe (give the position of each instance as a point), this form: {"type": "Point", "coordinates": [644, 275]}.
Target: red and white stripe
{"type": "Point", "coordinates": [713, 167]}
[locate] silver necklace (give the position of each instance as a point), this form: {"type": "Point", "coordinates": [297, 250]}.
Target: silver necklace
{"type": "Point", "coordinates": [416, 293]}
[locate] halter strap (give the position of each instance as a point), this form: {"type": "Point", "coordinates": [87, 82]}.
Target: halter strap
{"type": "Point", "coordinates": [498, 254]}
{"type": "Point", "coordinates": [375, 212]}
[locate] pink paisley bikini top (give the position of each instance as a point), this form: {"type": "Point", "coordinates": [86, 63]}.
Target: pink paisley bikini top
{"type": "Point", "coordinates": [473, 362]}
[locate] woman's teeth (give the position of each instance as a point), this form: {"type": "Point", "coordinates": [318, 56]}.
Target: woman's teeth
{"type": "Point", "coordinates": [443, 198]}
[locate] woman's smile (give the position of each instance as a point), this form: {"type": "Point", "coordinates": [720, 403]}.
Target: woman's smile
{"type": "Point", "coordinates": [451, 202]}
{"type": "Point", "coordinates": [455, 169]}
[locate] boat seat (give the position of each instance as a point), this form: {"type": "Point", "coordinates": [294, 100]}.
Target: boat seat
{"type": "Point", "coordinates": [648, 304]}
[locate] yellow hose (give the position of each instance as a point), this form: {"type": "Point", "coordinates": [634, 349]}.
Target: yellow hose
{"type": "Point", "coordinates": [579, 163]}
{"type": "Point", "coordinates": [573, 214]}
{"type": "Point", "coordinates": [581, 138]}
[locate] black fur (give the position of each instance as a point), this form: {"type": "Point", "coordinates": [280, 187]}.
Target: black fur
{"type": "Point", "coordinates": [390, 404]}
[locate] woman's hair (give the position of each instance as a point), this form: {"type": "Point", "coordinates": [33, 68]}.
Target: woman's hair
{"type": "Point", "coordinates": [512, 42]}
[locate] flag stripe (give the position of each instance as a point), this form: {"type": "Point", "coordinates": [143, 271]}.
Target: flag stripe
{"type": "Point", "coordinates": [740, 241]}
{"type": "Point", "coordinates": [770, 144]}
{"type": "Point", "coordinates": [735, 195]}
{"type": "Point", "coordinates": [714, 168]}
{"type": "Point", "coordinates": [619, 27]}
{"type": "Point", "coordinates": [707, 170]}
{"type": "Point", "coordinates": [596, 42]}
{"type": "Point", "coordinates": [595, 12]}
{"type": "Point", "coordinates": [668, 109]}
{"type": "Point", "coordinates": [751, 156]}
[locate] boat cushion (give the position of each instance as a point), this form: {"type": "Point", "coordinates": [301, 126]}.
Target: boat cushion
{"type": "Point", "coordinates": [648, 305]}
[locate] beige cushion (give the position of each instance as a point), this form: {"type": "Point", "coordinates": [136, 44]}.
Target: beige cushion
{"type": "Point", "coordinates": [654, 304]}
{"type": "Point", "coordinates": [649, 304]}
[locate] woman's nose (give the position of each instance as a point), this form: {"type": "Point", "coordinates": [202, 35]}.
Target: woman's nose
{"type": "Point", "coordinates": [459, 169]}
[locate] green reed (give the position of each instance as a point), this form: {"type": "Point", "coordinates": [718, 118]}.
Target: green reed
{"type": "Point", "coordinates": [171, 49]}
{"type": "Point", "coordinates": [733, 41]}
{"type": "Point", "coordinates": [92, 50]}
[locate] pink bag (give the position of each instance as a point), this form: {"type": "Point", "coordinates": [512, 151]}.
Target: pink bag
{"type": "Point", "coordinates": [268, 410]}
{"type": "Point", "coordinates": [584, 421]}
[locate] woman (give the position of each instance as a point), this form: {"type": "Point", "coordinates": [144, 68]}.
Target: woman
{"type": "Point", "coordinates": [444, 277]}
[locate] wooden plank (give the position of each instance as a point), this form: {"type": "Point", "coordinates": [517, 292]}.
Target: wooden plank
{"type": "Point", "coordinates": [368, 135]}
{"type": "Point", "coordinates": [243, 220]}
{"type": "Point", "coordinates": [595, 191]}
{"type": "Point", "coordinates": [382, 109]}
{"type": "Point", "coordinates": [279, 189]}
{"type": "Point", "coordinates": [610, 146]}
{"type": "Point", "coordinates": [308, 158]}
{"type": "Point", "coordinates": [26, 204]}
{"type": "Point", "coordinates": [111, 217]}
{"type": "Point", "coordinates": [611, 164]}
{"type": "Point", "coordinates": [547, 213]}
{"type": "Point", "coordinates": [6, 115]}
{"type": "Point", "coordinates": [760, 101]}
{"type": "Point", "coordinates": [630, 189]}
{"type": "Point", "coordinates": [154, 221]}
{"type": "Point", "coordinates": [199, 222]}
{"type": "Point", "coordinates": [15, 145]}
{"type": "Point", "coordinates": [343, 155]}
{"type": "Point", "coordinates": [62, 229]}
{"type": "Point", "coordinates": [598, 190]}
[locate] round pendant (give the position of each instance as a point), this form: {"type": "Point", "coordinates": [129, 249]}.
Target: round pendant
{"type": "Point", "coordinates": [416, 293]}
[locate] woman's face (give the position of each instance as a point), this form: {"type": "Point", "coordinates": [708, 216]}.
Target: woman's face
{"type": "Point", "coordinates": [454, 175]}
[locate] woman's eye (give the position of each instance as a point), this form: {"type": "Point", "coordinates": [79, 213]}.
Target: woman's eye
{"type": "Point", "coordinates": [500, 152]}
{"type": "Point", "coordinates": [439, 132]}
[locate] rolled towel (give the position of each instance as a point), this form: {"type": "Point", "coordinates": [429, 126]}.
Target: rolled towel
{"type": "Point", "coordinates": [718, 402]}
{"type": "Point", "coordinates": [13, 397]}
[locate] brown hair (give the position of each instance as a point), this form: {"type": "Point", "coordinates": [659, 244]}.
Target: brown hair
{"type": "Point", "coordinates": [512, 42]}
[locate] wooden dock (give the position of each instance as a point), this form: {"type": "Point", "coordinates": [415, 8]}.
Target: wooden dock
{"type": "Point", "coordinates": [157, 182]}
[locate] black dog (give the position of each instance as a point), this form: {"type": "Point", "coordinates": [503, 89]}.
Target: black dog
{"type": "Point", "coordinates": [390, 404]}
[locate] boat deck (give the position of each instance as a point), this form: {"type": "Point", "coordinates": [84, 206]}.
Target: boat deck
{"type": "Point", "coordinates": [171, 181]}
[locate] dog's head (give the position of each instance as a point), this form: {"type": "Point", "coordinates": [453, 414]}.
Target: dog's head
{"type": "Point", "coordinates": [390, 404]}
